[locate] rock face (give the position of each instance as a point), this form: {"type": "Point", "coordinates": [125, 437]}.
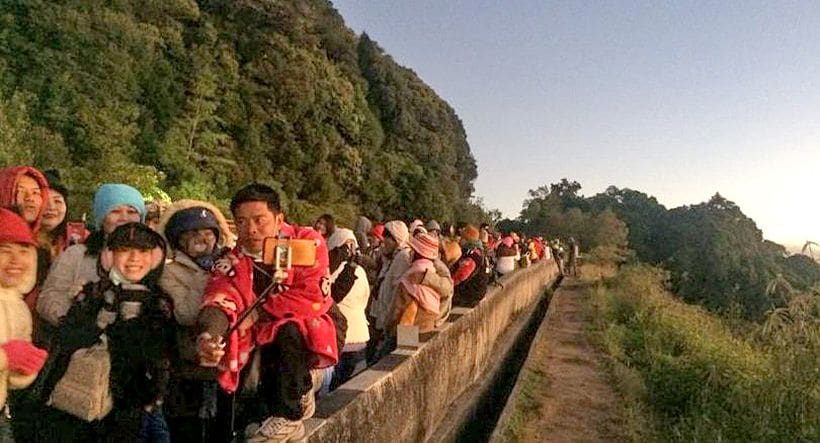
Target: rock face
{"type": "Point", "coordinates": [406, 396]}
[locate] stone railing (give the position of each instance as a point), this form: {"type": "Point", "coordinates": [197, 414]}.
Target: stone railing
{"type": "Point", "coordinates": [405, 397]}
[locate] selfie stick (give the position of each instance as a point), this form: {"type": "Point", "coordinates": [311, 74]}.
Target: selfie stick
{"type": "Point", "coordinates": [276, 287]}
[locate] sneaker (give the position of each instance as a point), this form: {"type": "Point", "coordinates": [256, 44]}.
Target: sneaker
{"type": "Point", "coordinates": [308, 401]}
{"type": "Point", "coordinates": [275, 430]}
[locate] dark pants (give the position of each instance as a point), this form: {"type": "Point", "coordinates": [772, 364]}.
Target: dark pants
{"type": "Point", "coordinates": [286, 373]}
{"type": "Point", "coordinates": [284, 379]}
{"type": "Point", "coordinates": [5, 428]}
{"type": "Point", "coordinates": [119, 426]}
{"type": "Point", "coordinates": [350, 364]}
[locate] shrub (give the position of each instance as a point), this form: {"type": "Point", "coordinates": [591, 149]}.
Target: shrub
{"type": "Point", "coordinates": [699, 380]}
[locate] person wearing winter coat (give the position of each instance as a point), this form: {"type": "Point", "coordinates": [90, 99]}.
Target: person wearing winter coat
{"type": "Point", "coordinates": [125, 311]}
{"type": "Point", "coordinates": [450, 249]}
{"type": "Point", "coordinates": [417, 303]}
{"type": "Point", "coordinates": [470, 273]}
{"type": "Point", "coordinates": [371, 257]}
{"type": "Point", "coordinates": [573, 256]}
{"type": "Point", "coordinates": [114, 205]}
{"type": "Point", "coordinates": [325, 225]}
{"type": "Point", "coordinates": [20, 360]}
{"type": "Point", "coordinates": [197, 234]}
{"type": "Point", "coordinates": [442, 282]}
{"type": "Point", "coordinates": [56, 232]}
{"type": "Point", "coordinates": [396, 259]}
{"type": "Point", "coordinates": [351, 292]}
{"type": "Point", "coordinates": [505, 256]}
{"type": "Point", "coordinates": [24, 190]}
{"type": "Point", "coordinates": [292, 335]}
{"type": "Point", "coordinates": [433, 228]}
{"type": "Point", "coordinates": [362, 229]}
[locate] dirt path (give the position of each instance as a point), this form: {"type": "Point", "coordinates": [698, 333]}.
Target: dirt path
{"type": "Point", "coordinates": [563, 394]}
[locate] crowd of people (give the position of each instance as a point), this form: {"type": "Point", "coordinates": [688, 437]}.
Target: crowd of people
{"type": "Point", "coordinates": [183, 329]}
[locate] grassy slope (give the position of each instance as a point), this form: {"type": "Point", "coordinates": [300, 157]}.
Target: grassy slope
{"type": "Point", "coordinates": [686, 376]}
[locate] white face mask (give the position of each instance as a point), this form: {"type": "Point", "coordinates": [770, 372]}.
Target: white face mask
{"type": "Point", "coordinates": [117, 278]}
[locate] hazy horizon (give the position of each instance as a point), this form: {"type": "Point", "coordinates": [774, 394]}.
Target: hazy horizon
{"type": "Point", "coordinates": [677, 100]}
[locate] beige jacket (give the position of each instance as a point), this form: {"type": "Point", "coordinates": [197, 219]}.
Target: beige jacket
{"type": "Point", "coordinates": [391, 273]}
{"type": "Point", "coordinates": [182, 279]}
{"type": "Point", "coordinates": [442, 282]}
{"type": "Point", "coordinates": [72, 269]}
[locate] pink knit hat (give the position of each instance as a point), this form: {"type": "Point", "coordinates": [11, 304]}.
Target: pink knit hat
{"type": "Point", "coordinates": [425, 245]}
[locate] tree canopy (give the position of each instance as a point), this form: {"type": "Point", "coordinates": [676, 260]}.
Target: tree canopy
{"type": "Point", "coordinates": [716, 255]}
{"type": "Point", "coordinates": [200, 97]}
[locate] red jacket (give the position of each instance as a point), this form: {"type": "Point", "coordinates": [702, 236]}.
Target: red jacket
{"type": "Point", "coordinates": [305, 303]}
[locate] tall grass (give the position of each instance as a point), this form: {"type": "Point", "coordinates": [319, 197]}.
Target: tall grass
{"type": "Point", "coordinates": [691, 378]}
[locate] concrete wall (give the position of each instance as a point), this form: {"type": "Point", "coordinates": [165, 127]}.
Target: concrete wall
{"type": "Point", "coordinates": [405, 396]}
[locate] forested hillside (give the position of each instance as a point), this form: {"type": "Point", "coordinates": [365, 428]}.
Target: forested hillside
{"type": "Point", "coordinates": [196, 98]}
{"type": "Point", "coordinates": [715, 254]}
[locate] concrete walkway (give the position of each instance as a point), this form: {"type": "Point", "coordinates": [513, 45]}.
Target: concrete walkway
{"type": "Point", "coordinates": [562, 393]}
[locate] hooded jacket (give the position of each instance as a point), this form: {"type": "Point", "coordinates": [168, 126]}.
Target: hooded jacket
{"type": "Point", "coordinates": [8, 190]}
{"type": "Point", "coordinates": [183, 279]}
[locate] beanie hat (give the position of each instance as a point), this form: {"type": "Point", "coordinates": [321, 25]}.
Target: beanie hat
{"type": "Point", "coordinates": [378, 231]}
{"type": "Point", "coordinates": [190, 219]}
{"type": "Point", "coordinates": [15, 229]}
{"type": "Point", "coordinates": [425, 245]}
{"type": "Point", "coordinates": [134, 236]}
{"type": "Point", "coordinates": [398, 230]}
{"type": "Point", "coordinates": [470, 233]}
{"type": "Point", "coordinates": [341, 236]}
{"type": "Point", "coordinates": [433, 225]}
{"type": "Point", "coordinates": [111, 195]}
{"type": "Point", "coordinates": [452, 251]}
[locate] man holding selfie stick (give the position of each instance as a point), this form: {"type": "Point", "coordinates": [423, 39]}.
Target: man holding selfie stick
{"type": "Point", "coordinates": [287, 339]}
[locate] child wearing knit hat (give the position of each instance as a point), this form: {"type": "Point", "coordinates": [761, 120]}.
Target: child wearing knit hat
{"type": "Point", "coordinates": [128, 312]}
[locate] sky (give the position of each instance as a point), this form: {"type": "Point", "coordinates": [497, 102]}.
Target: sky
{"type": "Point", "coordinates": [677, 99]}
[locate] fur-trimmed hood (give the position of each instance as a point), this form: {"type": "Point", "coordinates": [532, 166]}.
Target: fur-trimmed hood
{"type": "Point", "coordinates": [226, 236]}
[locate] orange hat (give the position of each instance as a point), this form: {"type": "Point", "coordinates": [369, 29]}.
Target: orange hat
{"type": "Point", "coordinates": [470, 233]}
